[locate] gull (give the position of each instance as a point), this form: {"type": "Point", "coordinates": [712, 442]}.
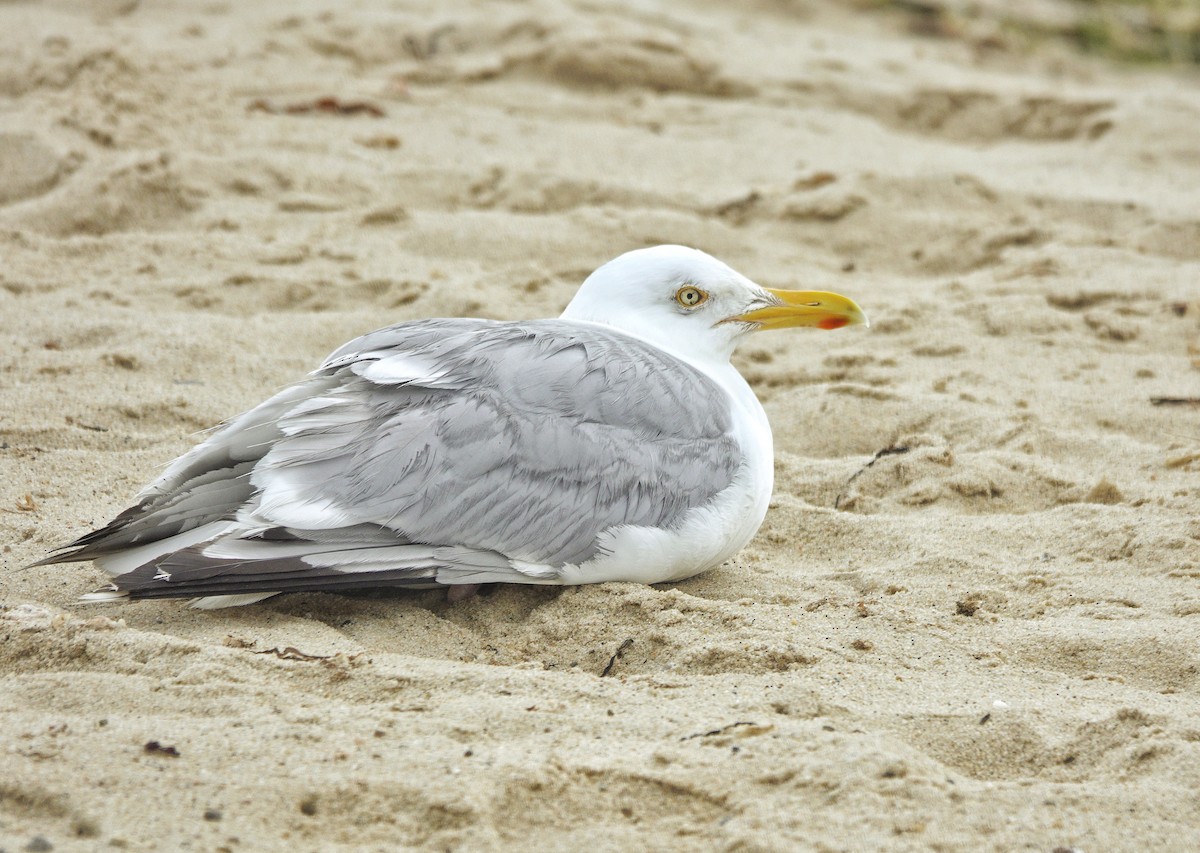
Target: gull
{"type": "Point", "coordinates": [614, 443]}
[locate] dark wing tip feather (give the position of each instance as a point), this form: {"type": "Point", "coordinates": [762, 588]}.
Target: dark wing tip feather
{"type": "Point", "coordinates": [94, 543]}
{"type": "Point", "coordinates": [189, 574]}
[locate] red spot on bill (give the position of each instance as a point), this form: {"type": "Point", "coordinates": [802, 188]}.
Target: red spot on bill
{"type": "Point", "coordinates": [830, 323]}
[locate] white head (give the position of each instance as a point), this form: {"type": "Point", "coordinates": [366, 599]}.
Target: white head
{"type": "Point", "coordinates": [691, 304]}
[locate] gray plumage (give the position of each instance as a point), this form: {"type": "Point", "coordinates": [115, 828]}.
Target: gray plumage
{"type": "Point", "coordinates": [433, 450]}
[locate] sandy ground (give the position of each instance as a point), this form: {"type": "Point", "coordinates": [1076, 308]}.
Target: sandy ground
{"type": "Point", "coordinates": [971, 619]}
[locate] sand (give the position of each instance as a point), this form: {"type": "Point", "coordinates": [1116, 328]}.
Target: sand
{"type": "Point", "coordinates": [971, 619]}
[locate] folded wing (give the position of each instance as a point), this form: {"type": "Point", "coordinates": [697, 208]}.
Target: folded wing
{"type": "Point", "coordinates": [441, 451]}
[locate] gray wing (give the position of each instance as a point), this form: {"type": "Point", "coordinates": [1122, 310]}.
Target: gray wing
{"type": "Point", "coordinates": [527, 439]}
{"type": "Point", "coordinates": [481, 441]}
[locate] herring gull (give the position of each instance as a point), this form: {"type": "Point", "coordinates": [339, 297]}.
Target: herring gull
{"type": "Point", "coordinates": [615, 443]}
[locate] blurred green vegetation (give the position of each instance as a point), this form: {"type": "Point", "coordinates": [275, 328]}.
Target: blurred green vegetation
{"type": "Point", "coordinates": [1141, 30]}
{"type": "Point", "coordinates": [1132, 31]}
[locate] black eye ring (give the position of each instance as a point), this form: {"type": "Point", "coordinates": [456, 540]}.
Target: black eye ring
{"type": "Point", "coordinates": [690, 297]}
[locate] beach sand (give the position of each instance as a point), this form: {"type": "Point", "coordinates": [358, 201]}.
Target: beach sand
{"type": "Point", "coordinates": [971, 619]}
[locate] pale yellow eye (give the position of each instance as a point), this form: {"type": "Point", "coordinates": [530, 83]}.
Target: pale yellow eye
{"type": "Point", "coordinates": [690, 297]}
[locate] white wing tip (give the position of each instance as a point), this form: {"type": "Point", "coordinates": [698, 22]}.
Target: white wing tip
{"type": "Point", "coordinates": [217, 602]}
{"type": "Point", "coordinates": [107, 595]}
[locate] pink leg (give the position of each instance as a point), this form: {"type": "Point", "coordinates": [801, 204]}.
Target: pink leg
{"type": "Point", "coordinates": [461, 592]}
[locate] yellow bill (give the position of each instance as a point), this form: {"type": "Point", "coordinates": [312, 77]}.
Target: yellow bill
{"type": "Point", "coordinates": [806, 308]}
